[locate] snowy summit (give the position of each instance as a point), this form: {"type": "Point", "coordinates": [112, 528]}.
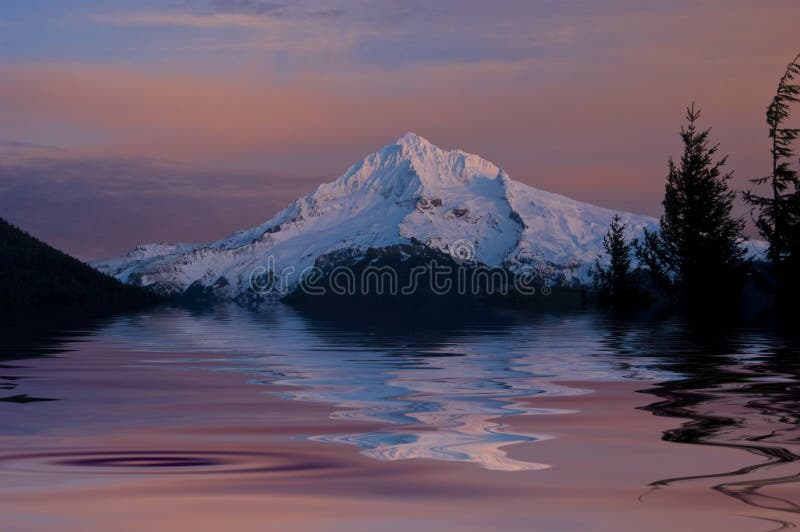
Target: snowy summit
{"type": "Point", "coordinates": [409, 192]}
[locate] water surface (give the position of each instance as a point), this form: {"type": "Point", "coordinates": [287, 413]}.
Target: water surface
{"type": "Point", "coordinates": [441, 418]}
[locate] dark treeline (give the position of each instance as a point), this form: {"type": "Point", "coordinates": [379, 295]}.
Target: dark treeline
{"type": "Point", "coordinates": [697, 255]}
{"type": "Point", "coordinates": [36, 276]}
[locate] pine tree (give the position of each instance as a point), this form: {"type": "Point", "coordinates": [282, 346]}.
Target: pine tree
{"type": "Point", "coordinates": [778, 217]}
{"type": "Point", "coordinates": [615, 282]}
{"type": "Point", "coordinates": [698, 247]}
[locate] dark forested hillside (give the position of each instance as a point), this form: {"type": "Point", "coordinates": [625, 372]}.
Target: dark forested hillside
{"type": "Point", "coordinates": [36, 276]}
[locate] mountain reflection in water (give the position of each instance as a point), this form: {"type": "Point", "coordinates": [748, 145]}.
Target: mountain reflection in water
{"type": "Point", "coordinates": [439, 393]}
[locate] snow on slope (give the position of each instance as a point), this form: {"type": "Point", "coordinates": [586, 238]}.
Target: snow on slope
{"type": "Point", "coordinates": [409, 192]}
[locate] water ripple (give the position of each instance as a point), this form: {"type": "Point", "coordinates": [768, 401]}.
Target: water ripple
{"type": "Point", "coordinates": [162, 462]}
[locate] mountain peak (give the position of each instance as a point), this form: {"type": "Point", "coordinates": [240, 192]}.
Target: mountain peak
{"type": "Point", "coordinates": [412, 140]}
{"type": "Point", "coordinates": [431, 165]}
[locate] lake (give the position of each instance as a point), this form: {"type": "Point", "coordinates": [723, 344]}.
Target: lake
{"type": "Point", "coordinates": [428, 418]}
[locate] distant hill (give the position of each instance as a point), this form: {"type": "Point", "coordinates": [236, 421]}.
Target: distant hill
{"type": "Point", "coordinates": [36, 276]}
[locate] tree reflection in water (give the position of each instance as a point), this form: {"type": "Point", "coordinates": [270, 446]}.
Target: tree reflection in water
{"type": "Point", "coordinates": [741, 390]}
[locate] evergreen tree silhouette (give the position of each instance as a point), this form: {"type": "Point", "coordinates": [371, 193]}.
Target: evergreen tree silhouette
{"type": "Point", "coordinates": [778, 217]}
{"type": "Point", "coordinates": [615, 282]}
{"type": "Point", "coordinates": [698, 247]}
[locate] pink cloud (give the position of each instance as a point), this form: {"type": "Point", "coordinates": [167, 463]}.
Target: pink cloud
{"type": "Point", "coordinates": [595, 118]}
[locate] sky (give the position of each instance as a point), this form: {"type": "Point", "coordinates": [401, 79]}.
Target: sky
{"type": "Point", "coordinates": [132, 121]}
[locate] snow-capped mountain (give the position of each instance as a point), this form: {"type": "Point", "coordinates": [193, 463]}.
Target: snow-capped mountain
{"type": "Point", "coordinates": [408, 193]}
